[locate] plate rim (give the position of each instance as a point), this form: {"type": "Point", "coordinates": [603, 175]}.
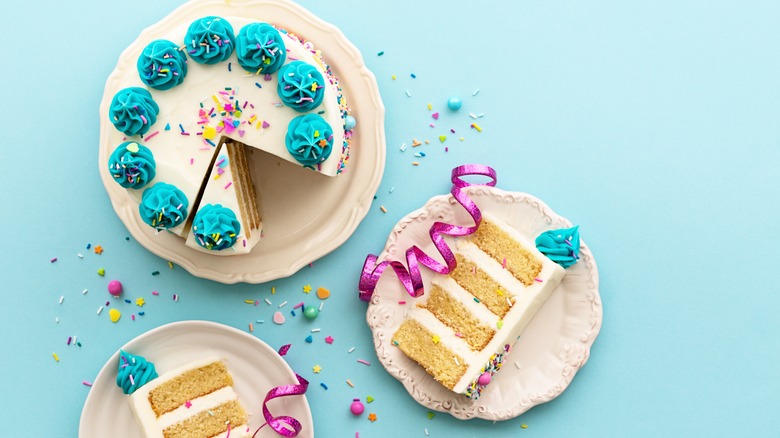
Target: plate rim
{"type": "Point", "coordinates": [192, 325]}
{"type": "Point", "coordinates": [367, 101]}
{"type": "Point", "coordinates": [452, 403]}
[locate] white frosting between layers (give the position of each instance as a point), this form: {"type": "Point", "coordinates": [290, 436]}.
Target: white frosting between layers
{"type": "Point", "coordinates": [184, 160]}
{"type": "Point", "coordinates": [152, 427]}
{"type": "Point", "coordinates": [528, 299]}
{"type": "Point", "coordinates": [216, 193]}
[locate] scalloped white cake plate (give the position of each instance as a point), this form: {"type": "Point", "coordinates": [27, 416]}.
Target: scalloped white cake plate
{"type": "Point", "coordinates": [554, 345]}
{"type": "Point", "coordinates": [255, 367]}
{"type": "Point", "coordinates": [305, 215]}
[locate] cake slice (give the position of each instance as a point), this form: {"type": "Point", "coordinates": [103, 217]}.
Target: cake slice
{"type": "Point", "coordinates": [227, 220]}
{"type": "Point", "coordinates": [461, 330]}
{"type": "Point", "coordinates": [196, 400]}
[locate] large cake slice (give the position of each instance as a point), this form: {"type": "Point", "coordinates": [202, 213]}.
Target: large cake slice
{"type": "Point", "coordinates": [196, 400]}
{"type": "Point", "coordinates": [461, 330]}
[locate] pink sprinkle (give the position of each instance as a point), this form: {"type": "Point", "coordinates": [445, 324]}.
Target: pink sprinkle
{"type": "Point", "coordinates": [144, 119]}
{"type": "Point", "coordinates": [188, 404]}
{"type": "Point", "coordinates": [86, 383]}
{"type": "Point", "coordinates": [364, 362]}
{"type": "Point", "coordinates": [132, 316]}
{"type": "Point", "coordinates": [241, 132]}
{"type": "Point", "coordinates": [266, 124]}
{"type": "Point", "coordinates": [402, 302]}
{"type": "Point", "coordinates": [54, 259]}
{"type": "Point", "coordinates": [221, 160]}
{"type": "Point", "coordinates": [149, 137]}
{"type": "Point", "coordinates": [192, 161]}
{"type": "Point", "coordinates": [298, 305]}
{"type": "Point", "coordinates": [155, 293]}
{"type": "Point", "coordinates": [460, 335]}
{"type": "Point", "coordinates": [431, 125]}
{"type": "Point", "coordinates": [132, 381]}
{"type": "Point", "coordinates": [503, 264]}
{"type": "Point", "coordinates": [538, 280]}
{"type": "Point", "coordinates": [69, 339]}
{"type": "Point", "coordinates": [228, 185]}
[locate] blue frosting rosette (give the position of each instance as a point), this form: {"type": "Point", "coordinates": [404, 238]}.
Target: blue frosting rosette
{"type": "Point", "coordinates": [210, 40]}
{"type": "Point", "coordinates": [309, 139]}
{"type": "Point", "coordinates": [561, 246]}
{"type": "Point", "coordinates": [260, 48]}
{"type": "Point", "coordinates": [132, 165]}
{"type": "Point", "coordinates": [162, 65]}
{"type": "Point", "coordinates": [301, 86]}
{"type": "Point", "coordinates": [163, 206]}
{"type": "Point", "coordinates": [133, 372]}
{"type": "Point", "coordinates": [216, 227]}
{"type": "Point", "coordinates": [133, 111]}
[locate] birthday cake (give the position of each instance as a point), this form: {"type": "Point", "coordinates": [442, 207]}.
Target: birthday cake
{"type": "Point", "coordinates": [196, 400]}
{"type": "Point", "coordinates": [463, 328]}
{"type": "Point", "coordinates": [198, 103]}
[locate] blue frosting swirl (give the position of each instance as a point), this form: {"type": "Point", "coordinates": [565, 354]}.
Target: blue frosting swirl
{"type": "Point", "coordinates": [561, 246]}
{"type": "Point", "coordinates": [260, 48]}
{"type": "Point", "coordinates": [162, 65]}
{"type": "Point", "coordinates": [141, 370]}
{"type": "Point", "coordinates": [216, 227]}
{"type": "Point", "coordinates": [132, 165]}
{"type": "Point", "coordinates": [133, 111]}
{"type": "Point", "coordinates": [163, 206]}
{"type": "Point", "coordinates": [309, 139]}
{"type": "Point", "coordinates": [301, 86]}
{"type": "Point", "coordinates": [210, 40]}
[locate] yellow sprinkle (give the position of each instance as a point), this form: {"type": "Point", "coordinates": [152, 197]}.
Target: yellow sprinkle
{"type": "Point", "coordinates": [307, 288]}
{"type": "Point", "coordinates": [273, 290]}
{"type": "Point", "coordinates": [393, 77]}
{"type": "Point", "coordinates": [140, 302]}
{"type": "Point", "coordinates": [499, 292]}
{"type": "Point", "coordinates": [237, 113]}
{"type": "Point", "coordinates": [499, 324]}
{"type": "Point", "coordinates": [475, 126]}
{"type": "Point", "coordinates": [214, 97]}
{"type": "Point", "coordinates": [430, 107]}
{"type": "Point", "coordinates": [209, 133]}
{"type": "Point", "coordinates": [461, 139]}
{"type": "Point", "coordinates": [382, 207]}
{"type": "Point", "coordinates": [259, 70]}
{"type": "Point", "coordinates": [249, 301]}
{"type": "Point", "coordinates": [316, 369]}
{"type": "Point", "coordinates": [57, 358]}
{"type": "Point", "coordinates": [415, 163]}
{"type": "Point", "coordinates": [316, 133]}
{"type": "Point", "coordinates": [114, 315]}
{"type": "Point", "coordinates": [313, 86]}
{"type": "Point", "coordinates": [436, 339]}
{"type": "Point", "coordinates": [524, 426]}
{"type": "Point", "coordinates": [170, 265]}
{"type": "Point", "coordinates": [252, 119]}
{"type": "Point", "coordinates": [351, 385]}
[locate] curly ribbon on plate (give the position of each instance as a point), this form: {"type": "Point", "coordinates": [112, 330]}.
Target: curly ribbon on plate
{"type": "Point", "coordinates": [411, 278]}
{"type": "Point", "coordinates": [283, 425]}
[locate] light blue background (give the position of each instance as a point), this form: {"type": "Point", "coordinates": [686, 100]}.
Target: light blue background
{"type": "Point", "coordinates": [654, 125]}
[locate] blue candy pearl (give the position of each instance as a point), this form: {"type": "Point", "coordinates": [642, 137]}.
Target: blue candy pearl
{"type": "Point", "coordinates": [349, 122]}
{"type": "Point", "coordinates": [454, 103]}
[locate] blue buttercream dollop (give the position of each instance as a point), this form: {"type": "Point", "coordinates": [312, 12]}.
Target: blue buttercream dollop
{"type": "Point", "coordinates": [210, 40]}
{"type": "Point", "coordinates": [141, 370]}
{"type": "Point", "coordinates": [216, 227]}
{"type": "Point", "coordinates": [162, 65]}
{"type": "Point", "coordinates": [132, 165]}
{"type": "Point", "coordinates": [301, 86]}
{"type": "Point", "coordinates": [260, 48]}
{"type": "Point", "coordinates": [561, 246]}
{"type": "Point", "coordinates": [133, 111]}
{"type": "Point", "coordinates": [309, 139]}
{"type": "Point", "coordinates": [163, 206]}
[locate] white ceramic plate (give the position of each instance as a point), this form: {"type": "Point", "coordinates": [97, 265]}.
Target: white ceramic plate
{"type": "Point", "coordinates": [551, 349]}
{"type": "Point", "coordinates": [255, 367]}
{"type": "Point", "coordinates": [304, 218]}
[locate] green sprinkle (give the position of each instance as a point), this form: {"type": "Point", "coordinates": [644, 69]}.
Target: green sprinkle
{"type": "Point", "coordinates": [380, 53]}
{"type": "Point", "coordinates": [431, 415]}
{"type": "Point", "coordinates": [476, 299]}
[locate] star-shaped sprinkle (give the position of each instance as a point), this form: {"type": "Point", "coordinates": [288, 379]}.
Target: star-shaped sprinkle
{"type": "Point", "coordinates": [188, 404]}
{"type": "Point", "coordinates": [329, 339]}
{"type": "Point", "coordinates": [307, 289]}
{"type": "Point", "coordinates": [313, 86]}
{"type": "Point", "coordinates": [316, 369]}
{"type": "Point", "coordinates": [98, 249]}
{"type": "Point", "coordinates": [372, 417]}
{"type": "Point", "coordinates": [140, 302]}
{"type": "Point", "coordinates": [436, 339]}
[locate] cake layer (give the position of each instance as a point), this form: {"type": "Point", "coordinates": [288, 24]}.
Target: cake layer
{"type": "Point", "coordinates": [425, 348]}
{"type": "Point", "coordinates": [217, 420]}
{"type": "Point", "coordinates": [482, 286]}
{"type": "Point", "coordinates": [189, 385]}
{"type": "Point", "coordinates": [454, 314]}
{"type": "Point", "coordinates": [515, 257]}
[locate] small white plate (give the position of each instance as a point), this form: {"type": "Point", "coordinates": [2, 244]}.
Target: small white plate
{"type": "Point", "coordinates": [255, 367]}
{"type": "Point", "coordinates": [304, 217]}
{"type": "Point", "coordinates": [551, 349]}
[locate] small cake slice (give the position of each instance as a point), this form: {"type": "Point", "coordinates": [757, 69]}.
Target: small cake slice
{"type": "Point", "coordinates": [461, 330]}
{"type": "Point", "coordinates": [196, 400]}
{"type": "Point", "coordinates": [227, 221]}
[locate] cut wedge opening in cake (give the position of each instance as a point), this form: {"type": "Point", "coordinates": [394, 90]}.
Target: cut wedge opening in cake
{"type": "Point", "coordinates": [462, 329]}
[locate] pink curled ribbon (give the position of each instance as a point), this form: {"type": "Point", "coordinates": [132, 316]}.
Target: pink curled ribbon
{"type": "Point", "coordinates": [283, 425]}
{"type": "Point", "coordinates": [411, 278]}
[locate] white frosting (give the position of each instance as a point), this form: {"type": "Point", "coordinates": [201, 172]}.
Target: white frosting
{"type": "Point", "coordinates": [152, 427]}
{"type": "Point", "coordinates": [183, 160]}
{"type": "Point", "coordinates": [528, 299]}
{"type": "Point", "coordinates": [221, 189]}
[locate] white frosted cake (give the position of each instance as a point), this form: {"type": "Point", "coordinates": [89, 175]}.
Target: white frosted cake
{"type": "Point", "coordinates": [196, 400]}
{"type": "Point", "coordinates": [465, 324]}
{"type": "Point", "coordinates": [182, 90]}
